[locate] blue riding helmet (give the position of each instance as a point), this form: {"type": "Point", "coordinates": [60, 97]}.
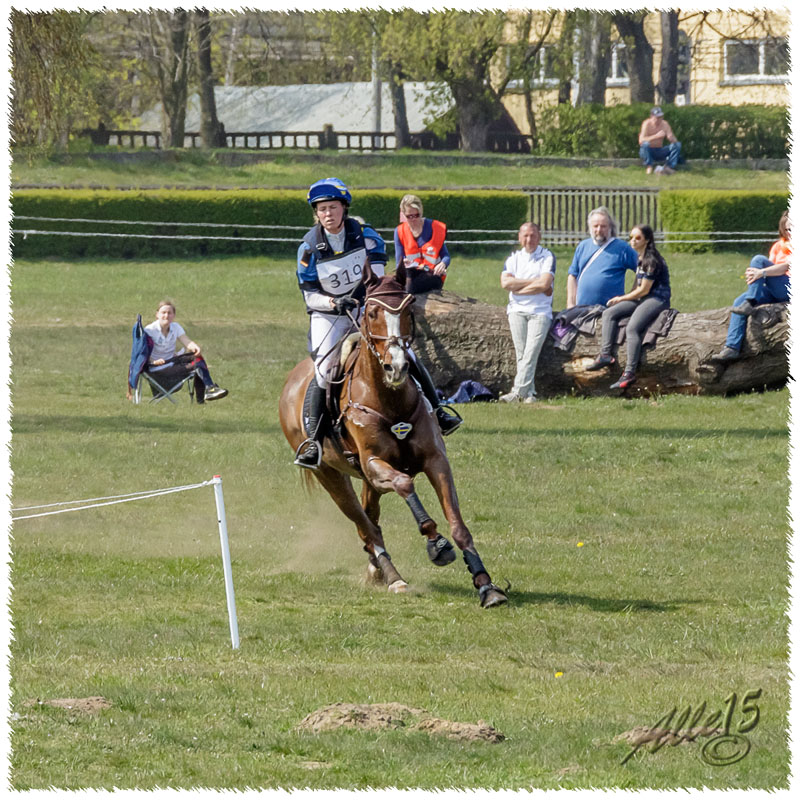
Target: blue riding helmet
{"type": "Point", "coordinates": [328, 189]}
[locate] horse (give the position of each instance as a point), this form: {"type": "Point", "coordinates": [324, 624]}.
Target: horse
{"type": "Point", "coordinates": [385, 435]}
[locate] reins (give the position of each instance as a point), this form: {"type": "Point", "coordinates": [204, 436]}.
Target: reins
{"type": "Point", "coordinates": [367, 336]}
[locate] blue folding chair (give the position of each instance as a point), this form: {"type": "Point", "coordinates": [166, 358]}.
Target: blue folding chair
{"type": "Point", "coordinates": [163, 382]}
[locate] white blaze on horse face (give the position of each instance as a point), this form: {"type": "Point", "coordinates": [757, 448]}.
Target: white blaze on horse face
{"type": "Point", "coordinates": [399, 361]}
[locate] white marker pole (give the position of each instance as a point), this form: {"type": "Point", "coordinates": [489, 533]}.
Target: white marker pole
{"type": "Point", "coordinates": [226, 561]}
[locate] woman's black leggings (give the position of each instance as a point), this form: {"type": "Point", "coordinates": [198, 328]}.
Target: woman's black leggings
{"type": "Point", "coordinates": [641, 313]}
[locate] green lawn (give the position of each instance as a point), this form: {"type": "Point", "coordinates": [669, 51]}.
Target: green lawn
{"type": "Point", "coordinates": [404, 169]}
{"type": "Point", "coordinates": [644, 541]}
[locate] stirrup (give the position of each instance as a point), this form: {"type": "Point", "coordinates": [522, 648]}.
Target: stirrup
{"type": "Point", "coordinates": [302, 450]}
{"type": "Point", "coordinates": [448, 418]}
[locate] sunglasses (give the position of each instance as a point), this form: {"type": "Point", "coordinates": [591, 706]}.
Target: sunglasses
{"type": "Point", "coordinates": [413, 216]}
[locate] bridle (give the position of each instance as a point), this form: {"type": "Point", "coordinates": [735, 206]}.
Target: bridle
{"type": "Point", "coordinates": [400, 341]}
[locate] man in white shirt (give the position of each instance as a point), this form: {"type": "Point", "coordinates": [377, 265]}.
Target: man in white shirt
{"type": "Point", "coordinates": [528, 275]}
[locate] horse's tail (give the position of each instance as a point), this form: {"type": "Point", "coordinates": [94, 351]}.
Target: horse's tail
{"type": "Point", "coordinates": [307, 479]}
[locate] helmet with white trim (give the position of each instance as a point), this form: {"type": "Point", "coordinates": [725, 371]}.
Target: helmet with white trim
{"type": "Point", "coordinates": [328, 189]}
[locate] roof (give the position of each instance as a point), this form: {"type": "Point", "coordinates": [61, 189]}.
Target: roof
{"type": "Point", "coordinates": [305, 107]}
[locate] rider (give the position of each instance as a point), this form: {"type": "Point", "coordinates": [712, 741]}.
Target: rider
{"type": "Point", "coordinates": [330, 271]}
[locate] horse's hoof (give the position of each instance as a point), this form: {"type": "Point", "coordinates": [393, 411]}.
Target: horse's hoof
{"type": "Point", "coordinates": [492, 596]}
{"type": "Point", "coordinates": [440, 551]}
{"type": "Point", "coordinates": [398, 587]}
{"type": "Point", "coordinates": [374, 574]}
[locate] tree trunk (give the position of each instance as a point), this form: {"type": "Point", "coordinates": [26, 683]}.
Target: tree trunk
{"type": "Point", "coordinates": [595, 53]}
{"type": "Point", "coordinates": [475, 116]}
{"type": "Point", "coordinates": [401, 133]}
{"type": "Point", "coordinates": [210, 128]}
{"type": "Point", "coordinates": [173, 72]}
{"type": "Point", "coordinates": [640, 56]}
{"type": "Point", "coordinates": [463, 339]}
{"type": "Point", "coordinates": [668, 71]}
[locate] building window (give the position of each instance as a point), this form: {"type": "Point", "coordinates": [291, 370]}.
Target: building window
{"type": "Point", "coordinates": [748, 61]}
{"type": "Point", "coordinates": [544, 71]}
{"type": "Point", "coordinates": [618, 66]}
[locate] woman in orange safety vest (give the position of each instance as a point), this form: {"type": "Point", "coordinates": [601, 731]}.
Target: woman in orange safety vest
{"type": "Point", "coordinates": [419, 244]}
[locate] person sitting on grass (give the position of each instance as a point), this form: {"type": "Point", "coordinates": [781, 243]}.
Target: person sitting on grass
{"type": "Point", "coordinates": [767, 280]}
{"type": "Point", "coordinates": [165, 334]}
{"type": "Point", "coordinates": [649, 296]}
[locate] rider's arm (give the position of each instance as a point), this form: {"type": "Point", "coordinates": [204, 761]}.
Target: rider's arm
{"type": "Point", "coordinates": [309, 282]}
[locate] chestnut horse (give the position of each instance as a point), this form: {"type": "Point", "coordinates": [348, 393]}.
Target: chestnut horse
{"type": "Point", "coordinates": [386, 435]}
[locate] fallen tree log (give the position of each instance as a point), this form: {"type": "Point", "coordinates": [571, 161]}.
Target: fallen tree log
{"type": "Point", "coordinates": [461, 338]}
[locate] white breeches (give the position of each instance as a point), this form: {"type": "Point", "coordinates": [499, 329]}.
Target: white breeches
{"type": "Point", "coordinates": [325, 332]}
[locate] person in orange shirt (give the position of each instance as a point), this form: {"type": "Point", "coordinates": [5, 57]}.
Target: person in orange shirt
{"type": "Point", "coordinates": [767, 282]}
{"type": "Point", "coordinates": [419, 244]}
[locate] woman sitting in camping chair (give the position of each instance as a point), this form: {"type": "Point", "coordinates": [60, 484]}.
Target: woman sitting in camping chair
{"type": "Point", "coordinates": [165, 333]}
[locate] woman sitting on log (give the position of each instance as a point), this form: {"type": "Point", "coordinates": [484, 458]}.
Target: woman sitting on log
{"type": "Point", "coordinates": [767, 280]}
{"type": "Point", "coordinates": [419, 244]}
{"type": "Point", "coordinates": [649, 296]}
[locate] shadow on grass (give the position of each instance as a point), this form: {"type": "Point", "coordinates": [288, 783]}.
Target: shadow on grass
{"type": "Point", "coordinates": [29, 423]}
{"type": "Point", "coordinates": [602, 604]}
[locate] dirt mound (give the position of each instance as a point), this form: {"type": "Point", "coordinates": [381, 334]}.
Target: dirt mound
{"type": "Point", "coordinates": [394, 715]}
{"type": "Point", "coordinates": [86, 705]}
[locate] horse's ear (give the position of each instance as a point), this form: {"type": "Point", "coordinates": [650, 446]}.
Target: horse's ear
{"type": "Point", "coordinates": [370, 278]}
{"type": "Point", "coordinates": [400, 274]}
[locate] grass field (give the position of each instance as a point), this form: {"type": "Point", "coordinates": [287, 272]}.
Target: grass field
{"type": "Point", "coordinates": [191, 169]}
{"type": "Point", "coordinates": [644, 541]}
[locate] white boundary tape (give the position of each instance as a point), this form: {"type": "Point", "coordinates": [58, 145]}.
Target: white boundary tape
{"type": "Point", "coordinates": [222, 523]}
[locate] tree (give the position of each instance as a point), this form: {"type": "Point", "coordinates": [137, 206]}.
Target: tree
{"type": "Point", "coordinates": [164, 44]}
{"type": "Point", "coordinates": [640, 55]}
{"type": "Point", "coordinates": [455, 48]}
{"type": "Point", "coordinates": [670, 57]}
{"type": "Point", "coordinates": [210, 127]}
{"type": "Point", "coordinates": [52, 60]}
{"type": "Point", "coordinates": [594, 56]}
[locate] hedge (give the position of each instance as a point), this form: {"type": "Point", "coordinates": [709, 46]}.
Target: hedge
{"type": "Point", "coordinates": [715, 132]}
{"type": "Point", "coordinates": [702, 210]}
{"type": "Point", "coordinates": [234, 209]}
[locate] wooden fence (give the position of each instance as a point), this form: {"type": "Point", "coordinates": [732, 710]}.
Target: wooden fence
{"type": "Point", "coordinates": [562, 212]}
{"type": "Point", "coordinates": [326, 139]}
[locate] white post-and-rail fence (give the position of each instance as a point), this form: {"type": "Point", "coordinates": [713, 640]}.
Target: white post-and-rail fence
{"type": "Point", "coordinates": [95, 502]}
{"type": "Point", "coordinates": [571, 210]}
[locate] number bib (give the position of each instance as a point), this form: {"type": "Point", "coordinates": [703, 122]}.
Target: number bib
{"type": "Point", "coordinates": [342, 273]}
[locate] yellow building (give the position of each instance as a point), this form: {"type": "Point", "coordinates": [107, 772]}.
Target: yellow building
{"type": "Point", "coordinates": [727, 58]}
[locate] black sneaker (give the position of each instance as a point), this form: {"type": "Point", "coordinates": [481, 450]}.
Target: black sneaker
{"type": "Point", "coordinates": [726, 354]}
{"type": "Point", "coordinates": [309, 454]}
{"type": "Point", "coordinates": [601, 361]}
{"type": "Point", "coordinates": [745, 309]}
{"type": "Point", "coordinates": [215, 393]}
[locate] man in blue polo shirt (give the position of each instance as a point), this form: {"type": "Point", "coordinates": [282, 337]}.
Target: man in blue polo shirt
{"type": "Point", "coordinates": [597, 272]}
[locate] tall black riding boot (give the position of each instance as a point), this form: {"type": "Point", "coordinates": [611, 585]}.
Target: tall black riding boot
{"type": "Point", "coordinates": [448, 421]}
{"type": "Point", "coordinates": [309, 453]}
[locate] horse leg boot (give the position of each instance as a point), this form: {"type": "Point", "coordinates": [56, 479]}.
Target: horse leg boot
{"type": "Point", "coordinates": [309, 452]}
{"type": "Point", "coordinates": [448, 421]}
{"type": "Point", "coordinates": [440, 551]}
{"type": "Point", "coordinates": [490, 594]}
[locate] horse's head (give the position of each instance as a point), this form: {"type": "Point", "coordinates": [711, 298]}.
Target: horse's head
{"type": "Point", "coordinates": [388, 327]}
